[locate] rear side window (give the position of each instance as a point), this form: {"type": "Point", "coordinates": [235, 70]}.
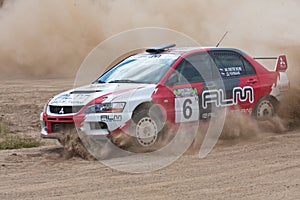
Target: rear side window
{"type": "Point", "coordinates": [231, 64]}
{"type": "Point", "coordinates": [248, 67]}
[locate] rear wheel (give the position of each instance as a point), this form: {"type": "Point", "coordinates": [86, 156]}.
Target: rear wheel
{"type": "Point", "coordinates": [265, 108]}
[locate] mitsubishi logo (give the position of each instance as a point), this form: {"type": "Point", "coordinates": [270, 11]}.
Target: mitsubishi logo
{"type": "Point", "coordinates": [61, 111]}
{"type": "Point", "coordinates": [282, 62]}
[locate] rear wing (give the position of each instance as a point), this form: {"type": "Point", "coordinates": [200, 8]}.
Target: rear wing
{"type": "Point", "coordinates": [281, 64]}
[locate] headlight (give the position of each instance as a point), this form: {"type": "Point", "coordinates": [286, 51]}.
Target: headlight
{"type": "Point", "coordinates": [105, 108]}
{"type": "Point", "coordinates": [46, 105]}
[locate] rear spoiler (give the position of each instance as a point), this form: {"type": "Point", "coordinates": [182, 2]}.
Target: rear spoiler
{"type": "Point", "coordinates": [281, 64]}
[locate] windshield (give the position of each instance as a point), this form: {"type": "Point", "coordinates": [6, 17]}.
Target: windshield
{"type": "Point", "coordinates": [142, 68]}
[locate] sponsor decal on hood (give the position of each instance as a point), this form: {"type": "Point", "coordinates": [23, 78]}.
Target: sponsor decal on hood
{"type": "Point", "coordinates": [83, 95]}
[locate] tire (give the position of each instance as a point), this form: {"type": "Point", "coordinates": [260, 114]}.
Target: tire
{"type": "Point", "coordinates": [265, 108]}
{"type": "Point", "coordinates": [147, 128]}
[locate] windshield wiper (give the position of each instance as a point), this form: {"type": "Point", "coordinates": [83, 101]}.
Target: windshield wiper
{"type": "Point", "coordinates": [98, 81]}
{"type": "Point", "coordinates": [123, 81]}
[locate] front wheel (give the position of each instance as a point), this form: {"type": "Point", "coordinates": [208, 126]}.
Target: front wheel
{"type": "Point", "coordinates": [147, 128]}
{"type": "Point", "coordinates": [146, 131]}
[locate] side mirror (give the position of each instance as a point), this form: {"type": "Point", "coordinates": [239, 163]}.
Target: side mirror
{"type": "Point", "coordinates": [172, 80]}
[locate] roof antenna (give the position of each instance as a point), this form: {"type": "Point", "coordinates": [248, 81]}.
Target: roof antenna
{"type": "Point", "coordinates": [222, 39]}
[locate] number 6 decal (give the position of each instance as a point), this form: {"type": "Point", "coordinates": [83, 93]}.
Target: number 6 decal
{"type": "Point", "coordinates": [187, 110]}
{"type": "Point", "coordinates": [186, 105]}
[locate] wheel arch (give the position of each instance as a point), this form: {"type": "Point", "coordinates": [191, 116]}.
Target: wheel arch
{"type": "Point", "coordinates": [148, 105]}
{"type": "Point", "coordinates": [274, 100]}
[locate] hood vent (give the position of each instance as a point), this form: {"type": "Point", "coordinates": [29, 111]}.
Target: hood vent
{"type": "Point", "coordinates": [85, 91]}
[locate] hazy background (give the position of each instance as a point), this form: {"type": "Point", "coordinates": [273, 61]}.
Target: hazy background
{"type": "Point", "coordinates": [50, 38]}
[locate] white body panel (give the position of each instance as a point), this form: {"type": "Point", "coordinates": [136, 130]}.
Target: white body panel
{"type": "Point", "coordinates": [281, 87]}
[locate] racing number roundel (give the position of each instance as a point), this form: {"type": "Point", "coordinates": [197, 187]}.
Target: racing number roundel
{"type": "Point", "coordinates": [186, 105]}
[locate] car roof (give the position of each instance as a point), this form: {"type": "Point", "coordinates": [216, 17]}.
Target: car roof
{"type": "Point", "coordinates": [180, 51]}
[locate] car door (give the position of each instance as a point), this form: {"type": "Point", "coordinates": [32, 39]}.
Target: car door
{"type": "Point", "coordinates": [188, 80]}
{"type": "Point", "coordinates": [239, 77]}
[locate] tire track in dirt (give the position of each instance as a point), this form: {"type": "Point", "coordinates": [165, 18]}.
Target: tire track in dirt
{"type": "Point", "coordinates": [264, 169]}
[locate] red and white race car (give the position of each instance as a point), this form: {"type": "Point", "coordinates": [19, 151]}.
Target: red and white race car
{"type": "Point", "coordinates": [147, 91]}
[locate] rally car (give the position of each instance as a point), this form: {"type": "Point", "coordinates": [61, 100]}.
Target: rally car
{"type": "Point", "coordinates": [146, 92]}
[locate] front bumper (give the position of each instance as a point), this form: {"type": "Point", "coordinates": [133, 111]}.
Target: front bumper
{"type": "Point", "coordinates": [105, 123]}
{"type": "Point", "coordinates": [55, 124]}
{"type": "Point", "coordinates": [97, 124]}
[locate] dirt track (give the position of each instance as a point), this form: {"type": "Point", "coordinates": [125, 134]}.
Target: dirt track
{"type": "Point", "coordinates": [263, 167]}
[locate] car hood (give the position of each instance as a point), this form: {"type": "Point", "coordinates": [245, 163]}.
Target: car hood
{"type": "Point", "coordinates": [85, 94]}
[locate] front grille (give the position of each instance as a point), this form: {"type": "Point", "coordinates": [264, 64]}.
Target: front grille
{"type": "Point", "coordinates": [65, 109]}
{"type": "Point", "coordinates": [61, 127]}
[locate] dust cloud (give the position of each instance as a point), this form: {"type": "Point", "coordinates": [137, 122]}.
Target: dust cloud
{"type": "Point", "coordinates": [52, 37]}
{"type": "Point", "coordinates": [49, 37]}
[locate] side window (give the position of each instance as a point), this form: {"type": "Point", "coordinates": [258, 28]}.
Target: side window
{"type": "Point", "coordinates": [193, 69]}
{"type": "Point", "coordinates": [188, 73]}
{"type": "Point", "coordinates": [231, 64]}
{"type": "Point", "coordinates": [249, 68]}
